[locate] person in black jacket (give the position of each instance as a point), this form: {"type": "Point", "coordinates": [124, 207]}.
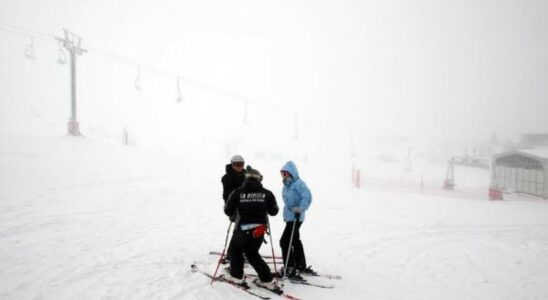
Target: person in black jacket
{"type": "Point", "coordinates": [233, 179]}
{"type": "Point", "coordinates": [234, 176]}
{"type": "Point", "coordinates": [251, 203]}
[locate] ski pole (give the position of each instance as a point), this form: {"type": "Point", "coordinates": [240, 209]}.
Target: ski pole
{"type": "Point", "coordinates": [297, 216]}
{"type": "Point", "coordinates": [222, 254]}
{"type": "Point", "coordinates": [272, 246]}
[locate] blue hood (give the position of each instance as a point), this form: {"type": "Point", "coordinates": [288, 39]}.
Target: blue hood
{"type": "Point", "coordinates": [295, 193]}
{"type": "Point", "coordinates": [292, 169]}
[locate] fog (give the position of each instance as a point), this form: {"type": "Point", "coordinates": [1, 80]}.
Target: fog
{"type": "Point", "coordinates": [435, 71]}
{"type": "Point", "coordinates": [380, 92]}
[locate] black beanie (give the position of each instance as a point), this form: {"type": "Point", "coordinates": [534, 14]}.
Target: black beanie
{"type": "Point", "coordinates": [253, 174]}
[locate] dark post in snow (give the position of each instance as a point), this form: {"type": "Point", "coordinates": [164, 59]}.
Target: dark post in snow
{"type": "Point", "coordinates": [72, 43]}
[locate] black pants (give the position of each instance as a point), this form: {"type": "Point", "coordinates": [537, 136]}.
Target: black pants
{"type": "Point", "coordinates": [242, 242]}
{"type": "Point", "coordinates": [296, 256]}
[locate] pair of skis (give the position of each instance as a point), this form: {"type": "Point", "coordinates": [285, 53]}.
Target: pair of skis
{"type": "Point", "coordinates": [270, 260]}
{"type": "Point", "coordinates": [302, 281]}
{"type": "Point", "coordinates": [246, 289]}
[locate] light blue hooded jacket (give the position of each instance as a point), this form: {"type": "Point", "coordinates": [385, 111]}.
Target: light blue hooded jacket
{"type": "Point", "coordinates": [295, 193]}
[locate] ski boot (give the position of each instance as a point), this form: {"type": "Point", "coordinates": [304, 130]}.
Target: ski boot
{"type": "Point", "coordinates": [308, 271]}
{"type": "Point", "coordinates": [229, 278]}
{"type": "Point", "coordinates": [271, 286]}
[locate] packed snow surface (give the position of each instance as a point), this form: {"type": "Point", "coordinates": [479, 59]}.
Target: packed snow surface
{"type": "Point", "coordinates": [85, 219]}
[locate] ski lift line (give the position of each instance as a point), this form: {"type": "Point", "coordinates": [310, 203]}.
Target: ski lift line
{"type": "Point", "coordinates": [50, 38]}
{"type": "Point", "coordinates": [164, 73]}
{"type": "Point", "coordinates": [151, 69]}
{"type": "Point", "coordinates": [28, 32]}
{"type": "Point", "coordinates": [171, 75]}
{"type": "Point", "coordinates": [175, 76]}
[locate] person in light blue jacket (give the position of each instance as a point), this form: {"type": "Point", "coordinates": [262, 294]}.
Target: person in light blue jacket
{"type": "Point", "coordinates": [297, 199]}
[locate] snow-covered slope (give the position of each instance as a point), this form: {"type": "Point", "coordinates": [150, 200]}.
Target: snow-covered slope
{"type": "Point", "coordinates": [83, 219]}
{"type": "Point", "coordinates": [88, 218]}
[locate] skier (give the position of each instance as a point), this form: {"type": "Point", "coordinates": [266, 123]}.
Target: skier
{"type": "Point", "coordinates": [233, 179]}
{"type": "Point", "coordinates": [234, 176]}
{"type": "Point", "coordinates": [251, 203]}
{"type": "Point", "coordinates": [297, 199]}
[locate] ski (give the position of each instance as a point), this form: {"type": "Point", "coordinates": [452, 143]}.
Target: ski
{"type": "Point", "coordinates": [297, 281]}
{"type": "Point", "coordinates": [327, 276]}
{"type": "Point", "coordinates": [195, 268]}
{"type": "Point", "coordinates": [263, 256]}
{"type": "Point", "coordinates": [321, 275]}
{"type": "Point", "coordinates": [270, 261]}
{"type": "Point", "coordinates": [305, 282]}
{"type": "Point", "coordinates": [278, 292]}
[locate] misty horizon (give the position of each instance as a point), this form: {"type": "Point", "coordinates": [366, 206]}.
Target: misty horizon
{"type": "Point", "coordinates": [462, 71]}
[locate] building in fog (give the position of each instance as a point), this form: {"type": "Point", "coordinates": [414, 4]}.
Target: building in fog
{"type": "Point", "coordinates": [535, 139]}
{"type": "Point", "coordinates": [522, 171]}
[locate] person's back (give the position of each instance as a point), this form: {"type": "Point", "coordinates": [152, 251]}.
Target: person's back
{"type": "Point", "coordinates": [251, 203]}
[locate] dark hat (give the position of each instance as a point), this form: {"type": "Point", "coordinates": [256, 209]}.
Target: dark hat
{"type": "Point", "coordinates": [253, 174]}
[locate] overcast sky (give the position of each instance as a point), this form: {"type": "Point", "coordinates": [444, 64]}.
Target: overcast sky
{"type": "Point", "coordinates": [419, 68]}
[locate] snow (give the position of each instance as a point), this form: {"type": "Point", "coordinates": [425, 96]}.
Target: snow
{"type": "Point", "coordinates": [90, 218]}
{"type": "Point", "coordinates": [541, 153]}
{"type": "Point", "coordinates": [81, 218]}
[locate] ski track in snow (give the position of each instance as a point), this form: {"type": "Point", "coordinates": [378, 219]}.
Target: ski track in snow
{"type": "Point", "coordinates": [101, 233]}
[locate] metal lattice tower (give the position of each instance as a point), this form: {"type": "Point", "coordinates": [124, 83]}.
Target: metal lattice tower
{"type": "Point", "coordinates": [72, 43]}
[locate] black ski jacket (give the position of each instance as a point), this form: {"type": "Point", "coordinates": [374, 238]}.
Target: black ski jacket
{"type": "Point", "coordinates": [231, 180]}
{"type": "Point", "coordinates": [251, 203]}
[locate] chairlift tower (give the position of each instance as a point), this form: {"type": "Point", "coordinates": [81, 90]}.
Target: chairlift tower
{"type": "Point", "coordinates": [72, 43]}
